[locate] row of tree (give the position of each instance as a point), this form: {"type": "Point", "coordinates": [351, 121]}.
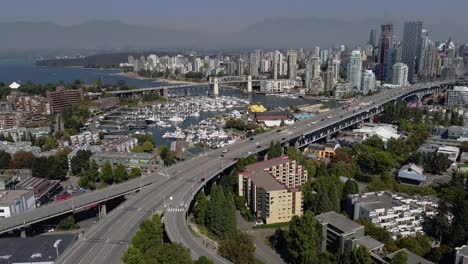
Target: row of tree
{"type": "Point", "coordinates": [148, 247]}
{"type": "Point", "coordinates": [250, 128]}
{"type": "Point", "coordinates": [218, 213]}
{"type": "Point", "coordinates": [53, 167]}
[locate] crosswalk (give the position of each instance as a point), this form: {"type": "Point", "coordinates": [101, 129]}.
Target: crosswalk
{"type": "Point", "coordinates": [175, 210]}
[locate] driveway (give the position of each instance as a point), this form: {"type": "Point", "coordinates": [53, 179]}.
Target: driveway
{"type": "Point", "coordinates": [262, 251]}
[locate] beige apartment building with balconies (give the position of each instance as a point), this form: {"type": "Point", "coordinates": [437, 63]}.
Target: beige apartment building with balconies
{"type": "Point", "coordinates": [272, 189]}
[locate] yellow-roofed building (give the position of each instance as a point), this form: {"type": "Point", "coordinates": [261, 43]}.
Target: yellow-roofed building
{"type": "Point", "coordinates": [257, 108]}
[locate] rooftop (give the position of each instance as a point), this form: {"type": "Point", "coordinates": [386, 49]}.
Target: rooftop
{"type": "Point", "coordinates": [38, 249]}
{"type": "Point", "coordinates": [369, 243]}
{"type": "Point", "coordinates": [8, 197]}
{"type": "Point", "coordinates": [387, 199]}
{"type": "Point", "coordinates": [124, 155]}
{"type": "Point", "coordinates": [264, 180]}
{"type": "Point", "coordinates": [339, 221]}
{"type": "Point", "coordinates": [412, 172]}
{"type": "Point", "coordinates": [412, 258]}
{"type": "Point", "coordinates": [258, 173]}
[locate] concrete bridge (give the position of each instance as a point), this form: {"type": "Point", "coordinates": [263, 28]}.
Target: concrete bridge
{"type": "Point", "coordinates": [185, 89]}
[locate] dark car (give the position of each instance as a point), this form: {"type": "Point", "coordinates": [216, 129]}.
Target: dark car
{"type": "Point", "coordinates": [202, 179]}
{"type": "Point", "coordinates": [258, 146]}
{"type": "Point", "coordinates": [279, 130]}
{"type": "Point", "coordinates": [251, 138]}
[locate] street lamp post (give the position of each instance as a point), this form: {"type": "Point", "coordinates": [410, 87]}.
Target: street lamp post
{"type": "Point", "coordinates": [56, 244]}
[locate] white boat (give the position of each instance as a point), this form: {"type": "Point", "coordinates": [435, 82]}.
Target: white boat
{"type": "Point", "coordinates": [151, 120]}
{"type": "Point", "coordinates": [196, 114]}
{"type": "Point", "coordinates": [176, 119]}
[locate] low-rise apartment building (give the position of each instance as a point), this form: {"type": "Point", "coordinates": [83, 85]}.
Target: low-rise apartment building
{"type": "Point", "coordinates": [13, 202]}
{"type": "Point", "coordinates": [23, 133]}
{"type": "Point", "coordinates": [401, 214]}
{"type": "Point", "coordinates": [278, 86]}
{"type": "Point", "coordinates": [147, 162]}
{"type": "Point", "coordinates": [451, 152]}
{"type": "Point", "coordinates": [340, 235]}
{"type": "Point", "coordinates": [272, 189]}
{"type": "Point", "coordinates": [322, 151]}
{"type": "Point", "coordinates": [29, 103]}
{"type": "Point", "coordinates": [118, 144]}
{"type": "Point", "coordinates": [337, 230]}
{"type": "Point", "coordinates": [85, 138]}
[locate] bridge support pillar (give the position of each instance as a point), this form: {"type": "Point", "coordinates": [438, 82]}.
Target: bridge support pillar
{"type": "Point", "coordinates": [23, 232]}
{"type": "Point", "coordinates": [215, 86]}
{"type": "Point", "coordinates": [102, 211]}
{"type": "Point", "coordinates": [249, 84]}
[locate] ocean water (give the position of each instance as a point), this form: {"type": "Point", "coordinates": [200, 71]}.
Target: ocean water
{"type": "Point", "coordinates": [24, 70]}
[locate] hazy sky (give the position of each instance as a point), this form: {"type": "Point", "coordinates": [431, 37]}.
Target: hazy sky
{"type": "Point", "coordinates": [229, 14]}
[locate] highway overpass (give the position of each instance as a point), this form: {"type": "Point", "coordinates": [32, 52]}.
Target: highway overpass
{"type": "Point", "coordinates": [105, 241]}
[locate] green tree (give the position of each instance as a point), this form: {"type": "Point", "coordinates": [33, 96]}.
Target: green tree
{"type": "Point", "coordinates": [237, 248]}
{"type": "Point", "coordinates": [148, 146]}
{"type": "Point", "coordinates": [120, 173]}
{"type": "Point", "coordinates": [48, 167]}
{"type": "Point", "coordinates": [107, 173]}
{"type": "Point", "coordinates": [166, 155]}
{"type": "Point", "coordinates": [215, 217]}
{"type": "Point", "coordinates": [168, 254]}
{"type": "Point", "coordinates": [5, 159]}
{"type": "Point", "coordinates": [360, 255]}
{"type": "Point", "coordinates": [67, 223]}
{"type": "Point", "coordinates": [273, 151]}
{"type": "Point", "coordinates": [133, 256]}
{"type": "Point", "coordinates": [400, 258]}
{"type": "Point", "coordinates": [350, 187]}
{"type": "Point", "coordinates": [149, 235]}
{"type": "Point", "coordinates": [303, 239]}
{"type": "Point", "coordinates": [229, 215]}
{"type": "Point", "coordinates": [203, 260]}
{"type": "Point", "coordinates": [201, 207]}
{"type": "Point", "coordinates": [322, 170]}
{"type": "Point", "coordinates": [375, 142]}
{"type": "Point", "coordinates": [440, 163]}
{"type": "Point", "coordinates": [334, 198]}
{"type": "Point", "coordinates": [378, 233]}
{"type": "Point", "coordinates": [135, 172]}
{"type": "Point", "coordinates": [374, 160]}
{"type": "Point", "coordinates": [420, 244]}
{"type": "Point", "coordinates": [79, 160]}
{"type": "Point", "coordinates": [50, 143]}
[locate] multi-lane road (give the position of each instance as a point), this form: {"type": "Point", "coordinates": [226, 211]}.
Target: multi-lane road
{"type": "Point", "coordinates": [106, 241]}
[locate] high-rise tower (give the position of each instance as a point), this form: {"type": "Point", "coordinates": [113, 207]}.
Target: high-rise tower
{"type": "Point", "coordinates": [385, 43]}
{"type": "Point", "coordinates": [411, 46]}
{"type": "Point", "coordinates": [355, 69]}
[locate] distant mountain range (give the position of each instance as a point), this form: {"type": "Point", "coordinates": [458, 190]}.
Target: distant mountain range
{"type": "Point", "coordinates": [271, 33]}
